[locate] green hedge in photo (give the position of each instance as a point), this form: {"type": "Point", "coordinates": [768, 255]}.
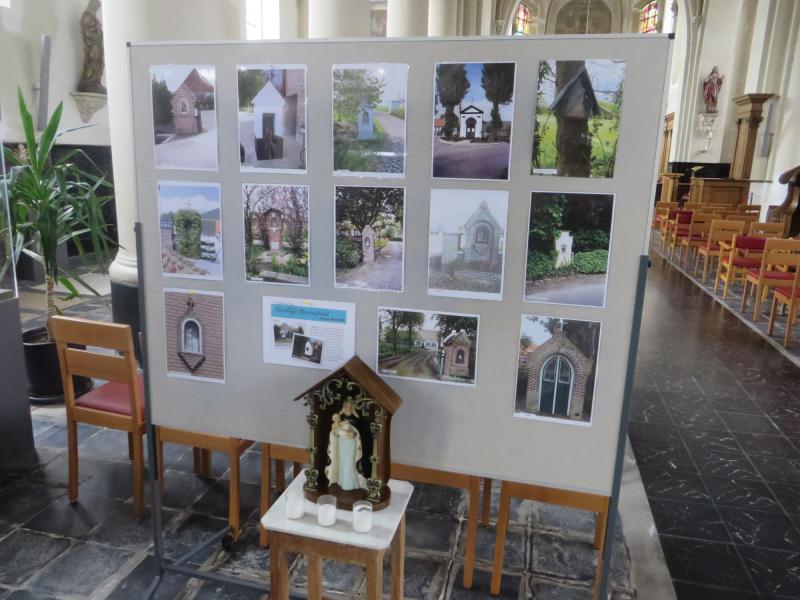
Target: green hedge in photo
{"type": "Point", "coordinates": [590, 263]}
{"type": "Point", "coordinates": [187, 230]}
{"type": "Point", "coordinates": [348, 253]}
{"type": "Point", "coordinates": [540, 265]}
{"type": "Point", "coordinates": [590, 239]}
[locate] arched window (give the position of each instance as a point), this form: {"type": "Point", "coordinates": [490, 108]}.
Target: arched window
{"type": "Point", "coordinates": [555, 389]}
{"type": "Point", "coordinates": [191, 337]}
{"type": "Point", "coordinates": [461, 356]}
{"type": "Point", "coordinates": [274, 221]}
{"type": "Point", "coordinates": [184, 107]}
{"type": "Point", "coordinates": [648, 17]}
{"type": "Point", "coordinates": [365, 117]}
{"type": "Point", "coordinates": [522, 20]}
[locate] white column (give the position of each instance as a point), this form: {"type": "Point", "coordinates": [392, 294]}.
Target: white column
{"type": "Point", "coordinates": [442, 17]}
{"type": "Point", "coordinates": [289, 19]}
{"type": "Point", "coordinates": [138, 21]}
{"type": "Point", "coordinates": [406, 18]}
{"type": "Point", "coordinates": [122, 21]}
{"type": "Point", "coordinates": [338, 18]}
{"type": "Point", "coordinates": [470, 17]}
{"type": "Point", "coordinates": [486, 18]}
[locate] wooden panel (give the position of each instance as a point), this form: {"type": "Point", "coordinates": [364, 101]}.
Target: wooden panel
{"type": "Point", "coordinates": [99, 366]}
{"type": "Point", "coordinates": [115, 336]}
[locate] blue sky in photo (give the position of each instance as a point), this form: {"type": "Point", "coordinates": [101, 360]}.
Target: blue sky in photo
{"type": "Point", "coordinates": [606, 75]}
{"type": "Point", "coordinates": [477, 97]}
{"type": "Point", "coordinates": [174, 196]}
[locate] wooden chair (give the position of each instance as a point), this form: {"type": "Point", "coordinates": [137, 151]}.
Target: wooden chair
{"type": "Point", "coordinates": [743, 217]}
{"type": "Point", "coordinates": [692, 206]}
{"type": "Point", "coordinates": [117, 404]}
{"type": "Point", "coordinates": [692, 238]}
{"type": "Point", "coordinates": [680, 224]}
{"type": "Point", "coordinates": [663, 228]}
{"type": "Point", "coordinates": [749, 209]}
{"type": "Point", "coordinates": [766, 230]}
{"type": "Point", "coordinates": [786, 297]}
{"type": "Point", "coordinates": [204, 444]}
{"type": "Point", "coordinates": [775, 271]}
{"type": "Point", "coordinates": [744, 254]}
{"type": "Point", "coordinates": [661, 212]}
{"type": "Point", "coordinates": [720, 231]}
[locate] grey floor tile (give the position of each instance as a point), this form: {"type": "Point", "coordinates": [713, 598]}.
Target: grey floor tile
{"type": "Point", "coordinates": [80, 571]}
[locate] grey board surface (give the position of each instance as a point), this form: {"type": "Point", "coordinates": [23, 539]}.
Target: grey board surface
{"type": "Point", "coordinates": [461, 429]}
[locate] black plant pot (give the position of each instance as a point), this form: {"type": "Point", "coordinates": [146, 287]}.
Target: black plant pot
{"type": "Point", "coordinates": [44, 374]}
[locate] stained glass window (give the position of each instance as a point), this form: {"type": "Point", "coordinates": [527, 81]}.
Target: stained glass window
{"type": "Point", "coordinates": [648, 18]}
{"type": "Point", "coordinates": [522, 20]}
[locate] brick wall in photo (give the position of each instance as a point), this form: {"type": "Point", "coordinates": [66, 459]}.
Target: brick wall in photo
{"type": "Point", "coordinates": [208, 311]}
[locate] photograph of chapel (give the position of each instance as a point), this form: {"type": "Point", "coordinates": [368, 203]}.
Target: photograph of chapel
{"type": "Point", "coordinates": [473, 110]}
{"type": "Point", "coordinates": [194, 332]}
{"type": "Point", "coordinates": [578, 105]}
{"type": "Point", "coordinates": [276, 233]}
{"type": "Point", "coordinates": [369, 118]}
{"type": "Point", "coordinates": [427, 345]}
{"type": "Point", "coordinates": [369, 237]}
{"type": "Point", "coordinates": [556, 368]}
{"type": "Point", "coordinates": [184, 117]}
{"type": "Point", "coordinates": [568, 248]}
{"type": "Point", "coordinates": [466, 243]}
{"type": "Point", "coordinates": [272, 117]}
{"type": "Point", "coordinates": [190, 228]}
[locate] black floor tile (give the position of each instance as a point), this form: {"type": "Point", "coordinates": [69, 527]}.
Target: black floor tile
{"type": "Point", "coordinates": [710, 441]}
{"type": "Point", "coordinates": [56, 472]}
{"type": "Point", "coordinates": [22, 501]}
{"type": "Point", "coordinates": [761, 529]}
{"type": "Point", "coordinates": [80, 571]}
{"type": "Point", "coordinates": [753, 495]}
{"type": "Point", "coordinates": [692, 591]}
{"type": "Point", "coordinates": [428, 532]}
{"type": "Point", "coordinates": [759, 444]}
{"type": "Point", "coordinates": [788, 496]}
{"type": "Point", "coordinates": [215, 502]}
{"type": "Point", "coordinates": [688, 519]}
{"type": "Point", "coordinates": [509, 586]}
{"type": "Point", "coordinates": [191, 533]}
{"type": "Point", "coordinates": [438, 499]}
{"type": "Point", "coordinates": [134, 585]}
{"type": "Point", "coordinates": [24, 552]}
{"type": "Point", "coordinates": [779, 470]}
{"type": "Point", "coordinates": [182, 489]}
{"type": "Point", "coordinates": [704, 562]}
{"type": "Point", "coordinates": [725, 465]}
{"type": "Point", "coordinates": [773, 571]}
{"type": "Point", "coordinates": [745, 423]}
{"type": "Point", "coordinates": [674, 486]}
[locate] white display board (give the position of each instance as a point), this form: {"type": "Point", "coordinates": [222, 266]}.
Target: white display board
{"type": "Point", "coordinates": [469, 428]}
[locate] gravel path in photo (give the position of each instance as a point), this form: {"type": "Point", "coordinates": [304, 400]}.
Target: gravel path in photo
{"type": "Point", "coordinates": [419, 363]}
{"type": "Point", "coordinates": [583, 290]}
{"type": "Point", "coordinates": [470, 160]}
{"type": "Point", "coordinates": [386, 273]}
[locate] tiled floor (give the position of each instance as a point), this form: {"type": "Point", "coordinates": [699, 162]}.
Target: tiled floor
{"type": "Point", "coordinates": [715, 428]}
{"type": "Point", "coordinates": [96, 549]}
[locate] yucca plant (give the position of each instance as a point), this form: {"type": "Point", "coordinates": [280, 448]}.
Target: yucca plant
{"type": "Point", "coordinates": [53, 201]}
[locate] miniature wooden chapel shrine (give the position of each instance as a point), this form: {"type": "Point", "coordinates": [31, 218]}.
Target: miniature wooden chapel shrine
{"type": "Point", "coordinates": [349, 418]}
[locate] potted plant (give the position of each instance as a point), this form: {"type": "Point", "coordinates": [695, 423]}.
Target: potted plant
{"type": "Point", "coordinates": [53, 202]}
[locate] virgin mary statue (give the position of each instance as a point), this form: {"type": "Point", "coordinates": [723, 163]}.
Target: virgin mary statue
{"type": "Point", "coordinates": [344, 451]}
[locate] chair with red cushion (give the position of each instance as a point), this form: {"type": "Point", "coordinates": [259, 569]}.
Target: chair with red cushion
{"type": "Point", "coordinates": [766, 230]}
{"type": "Point", "coordinates": [663, 229]}
{"type": "Point", "coordinates": [692, 238]}
{"type": "Point", "coordinates": [117, 404]}
{"type": "Point", "coordinates": [680, 224]}
{"type": "Point", "coordinates": [721, 231]}
{"type": "Point", "coordinates": [775, 271]}
{"type": "Point", "coordinates": [745, 254]}
{"type": "Point", "coordinates": [787, 297]}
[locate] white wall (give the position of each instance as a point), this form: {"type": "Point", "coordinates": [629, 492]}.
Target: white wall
{"type": "Point", "coordinates": [21, 29]}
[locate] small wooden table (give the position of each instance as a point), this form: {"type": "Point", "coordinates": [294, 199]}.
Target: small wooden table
{"type": "Point", "coordinates": [338, 542]}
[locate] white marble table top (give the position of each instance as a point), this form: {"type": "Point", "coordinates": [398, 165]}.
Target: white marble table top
{"type": "Point", "coordinates": [384, 522]}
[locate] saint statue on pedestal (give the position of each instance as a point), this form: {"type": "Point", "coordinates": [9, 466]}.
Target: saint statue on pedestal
{"type": "Point", "coordinates": [711, 87]}
{"type": "Point", "coordinates": [345, 451]}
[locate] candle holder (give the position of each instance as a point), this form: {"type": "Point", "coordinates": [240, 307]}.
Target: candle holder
{"type": "Point", "coordinates": [326, 510]}
{"type": "Point", "coordinates": [362, 516]}
{"type": "Point", "coordinates": [295, 504]}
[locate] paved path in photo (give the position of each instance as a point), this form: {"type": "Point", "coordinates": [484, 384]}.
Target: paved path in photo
{"type": "Point", "coordinates": [585, 290]}
{"type": "Point", "coordinates": [386, 273]}
{"type": "Point", "coordinates": [395, 128]}
{"type": "Point", "coordinates": [471, 161]}
{"type": "Point", "coordinates": [419, 363]}
{"type": "Point", "coordinates": [191, 152]}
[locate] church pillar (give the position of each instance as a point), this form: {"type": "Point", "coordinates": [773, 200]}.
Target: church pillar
{"type": "Point", "coordinates": [338, 18]}
{"type": "Point", "coordinates": [139, 21]}
{"type": "Point", "coordinates": [442, 16]}
{"type": "Point", "coordinates": [406, 18]}
{"type": "Point", "coordinates": [749, 108]}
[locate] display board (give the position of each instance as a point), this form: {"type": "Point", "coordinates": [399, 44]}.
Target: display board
{"type": "Point", "coordinates": [498, 259]}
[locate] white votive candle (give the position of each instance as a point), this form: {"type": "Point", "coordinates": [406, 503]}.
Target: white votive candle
{"type": "Point", "coordinates": [295, 505]}
{"type": "Point", "coordinates": [362, 516]}
{"type": "Point", "coordinates": [326, 510]}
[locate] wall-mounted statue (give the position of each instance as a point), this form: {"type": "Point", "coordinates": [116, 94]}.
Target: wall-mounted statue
{"type": "Point", "coordinates": [711, 87]}
{"type": "Point", "coordinates": [93, 57]}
